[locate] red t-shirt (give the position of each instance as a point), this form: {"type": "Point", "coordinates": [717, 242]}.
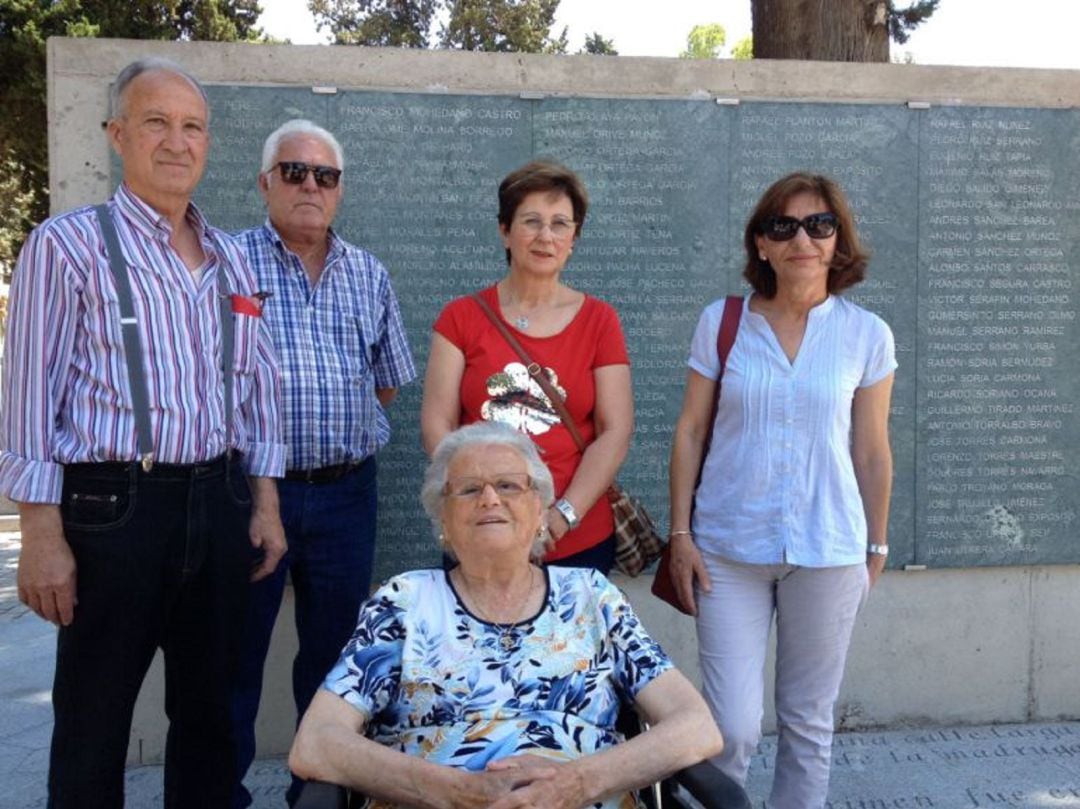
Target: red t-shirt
{"type": "Point", "coordinates": [496, 387]}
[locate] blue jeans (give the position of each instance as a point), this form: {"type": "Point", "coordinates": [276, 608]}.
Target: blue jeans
{"type": "Point", "coordinates": [330, 528]}
{"type": "Point", "coordinates": [163, 560]}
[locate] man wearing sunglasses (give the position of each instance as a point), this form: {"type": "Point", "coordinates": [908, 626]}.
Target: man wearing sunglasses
{"type": "Point", "coordinates": [343, 352]}
{"type": "Point", "coordinates": [137, 393]}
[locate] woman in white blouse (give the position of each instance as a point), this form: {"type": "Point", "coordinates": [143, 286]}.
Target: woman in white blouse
{"type": "Point", "coordinates": [791, 512]}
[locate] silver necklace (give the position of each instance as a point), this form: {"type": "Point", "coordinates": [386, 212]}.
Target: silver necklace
{"type": "Point", "coordinates": [508, 636]}
{"type": "Point", "coordinates": [521, 322]}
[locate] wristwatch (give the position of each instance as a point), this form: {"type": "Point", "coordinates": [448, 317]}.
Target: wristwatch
{"type": "Point", "coordinates": [564, 507]}
{"type": "Point", "coordinates": [879, 550]}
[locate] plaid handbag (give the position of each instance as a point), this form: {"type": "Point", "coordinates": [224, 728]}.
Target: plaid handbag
{"type": "Point", "coordinates": [637, 543]}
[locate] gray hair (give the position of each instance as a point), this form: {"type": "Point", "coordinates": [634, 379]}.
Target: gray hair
{"type": "Point", "coordinates": [294, 128]}
{"type": "Point", "coordinates": [483, 433]}
{"type": "Point", "coordinates": [148, 64]}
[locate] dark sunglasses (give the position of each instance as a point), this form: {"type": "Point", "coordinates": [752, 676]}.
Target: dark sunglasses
{"type": "Point", "coordinates": [784, 228]}
{"type": "Point", "coordinates": [294, 173]}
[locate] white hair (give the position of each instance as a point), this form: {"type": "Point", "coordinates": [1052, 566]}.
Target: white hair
{"type": "Point", "coordinates": [483, 433]}
{"type": "Point", "coordinates": [295, 128]}
{"type": "Point", "coordinates": [148, 64]}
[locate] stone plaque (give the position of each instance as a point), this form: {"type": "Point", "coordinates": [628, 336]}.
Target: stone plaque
{"type": "Point", "coordinates": [970, 212]}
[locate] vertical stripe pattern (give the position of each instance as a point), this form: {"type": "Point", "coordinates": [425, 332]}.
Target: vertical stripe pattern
{"type": "Point", "coordinates": [66, 396]}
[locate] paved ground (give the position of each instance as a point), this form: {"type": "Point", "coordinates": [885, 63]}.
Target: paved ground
{"type": "Point", "coordinates": [1035, 766]}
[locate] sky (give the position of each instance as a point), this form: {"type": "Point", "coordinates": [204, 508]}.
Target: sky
{"type": "Point", "coordinates": [962, 32]}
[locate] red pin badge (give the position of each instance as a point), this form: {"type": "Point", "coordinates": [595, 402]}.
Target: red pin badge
{"type": "Point", "coordinates": [251, 305]}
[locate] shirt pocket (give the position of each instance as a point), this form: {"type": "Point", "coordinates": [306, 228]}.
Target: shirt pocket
{"type": "Point", "coordinates": [353, 351]}
{"type": "Point", "coordinates": [245, 354]}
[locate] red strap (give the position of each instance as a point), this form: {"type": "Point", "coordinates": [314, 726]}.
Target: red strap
{"type": "Point", "coordinates": [729, 327]}
{"type": "Point", "coordinates": [725, 339]}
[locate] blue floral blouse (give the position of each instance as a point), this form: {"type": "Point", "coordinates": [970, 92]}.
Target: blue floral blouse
{"type": "Point", "coordinates": [436, 681]}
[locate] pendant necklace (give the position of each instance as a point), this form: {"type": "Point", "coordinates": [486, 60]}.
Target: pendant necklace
{"type": "Point", "coordinates": [521, 322]}
{"type": "Point", "coordinates": [508, 636]}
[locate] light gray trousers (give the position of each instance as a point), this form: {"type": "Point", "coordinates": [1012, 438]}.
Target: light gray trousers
{"type": "Point", "coordinates": [815, 611]}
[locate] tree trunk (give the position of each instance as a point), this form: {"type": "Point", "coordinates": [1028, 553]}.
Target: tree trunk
{"type": "Point", "coordinates": [825, 30]}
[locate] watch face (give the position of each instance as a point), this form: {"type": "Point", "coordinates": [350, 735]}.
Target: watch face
{"type": "Point", "coordinates": [567, 511]}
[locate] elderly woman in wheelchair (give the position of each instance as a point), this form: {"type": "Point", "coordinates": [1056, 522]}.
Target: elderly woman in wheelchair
{"type": "Point", "coordinates": [497, 684]}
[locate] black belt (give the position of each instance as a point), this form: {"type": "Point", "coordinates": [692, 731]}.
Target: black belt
{"type": "Point", "coordinates": [324, 474]}
{"type": "Point", "coordinates": [180, 471]}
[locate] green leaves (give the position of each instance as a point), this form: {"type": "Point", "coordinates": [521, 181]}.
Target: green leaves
{"type": "Point", "coordinates": [520, 26]}
{"type": "Point", "coordinates": [24, 27]}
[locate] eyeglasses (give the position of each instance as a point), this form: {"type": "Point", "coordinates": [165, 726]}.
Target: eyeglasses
{"type": "Point", "coordinates": [784, 228]}
{"type": "Point", "coordinates": [294, 173]}
{"type": "Point", "coordinates": [560, 228]}
{"type": "Point", "coordinates": [506, 486]}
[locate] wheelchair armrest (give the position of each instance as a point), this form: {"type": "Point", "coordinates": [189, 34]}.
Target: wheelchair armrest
{"type": "Point", "coordinates": [712, 788]}
{"type": "Point", "coordinates": [322, 795]}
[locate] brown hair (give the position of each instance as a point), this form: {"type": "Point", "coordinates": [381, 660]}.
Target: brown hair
{"type": "Point", "coordinates": [850, 259]}
{"type": "Point", "coordinates": [541, 175]}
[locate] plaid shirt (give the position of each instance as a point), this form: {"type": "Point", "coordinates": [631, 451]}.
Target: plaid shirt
{"type": "Point", "coordinates": [66, 397]}
{"type": "Point", "coordinates": [337, 341]}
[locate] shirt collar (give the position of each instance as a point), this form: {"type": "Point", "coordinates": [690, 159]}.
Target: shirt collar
{"type": "Point", "coordinates": [336, 250]}
{"type": "Point", "coordinates": [823, 308]}
{"type": "Point", "coordinates": [151, 222]}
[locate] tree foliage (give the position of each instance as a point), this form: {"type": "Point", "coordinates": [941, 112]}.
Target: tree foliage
{"type": "Point", "coordinates": [598, 46]}
{"type": "Point", "coordinates": [743, 49]}
{"type": "Point", "coordinates": [903, 21]}
{"type": "Point", "coordinates": [24, 27]}
{"type": "Point", "coordinates": [520, 26]}
{"type": "Point", "coordinates": [397, 23]}
{"type": "Point", "coordinates": [704, 41]}
{"type": "Point", "coordinates": [852, 31]}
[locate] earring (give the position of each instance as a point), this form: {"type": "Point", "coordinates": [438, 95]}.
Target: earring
{"type": "Point", "coordinates": [762, 257]}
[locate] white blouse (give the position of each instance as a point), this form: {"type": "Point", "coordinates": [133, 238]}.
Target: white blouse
{"type": "Point", "coordinates": [778, 485]}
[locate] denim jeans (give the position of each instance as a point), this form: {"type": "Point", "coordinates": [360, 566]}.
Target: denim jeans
{"type": "Point", "coordinates": [330, 528]}
{"type": "Point", "coordinates": [162, 560]}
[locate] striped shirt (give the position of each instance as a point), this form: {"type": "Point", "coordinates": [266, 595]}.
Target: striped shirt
{"type": "Point", "coordinates": [65, 391]}
{"type": "Point", "coordinates": [338, 341]}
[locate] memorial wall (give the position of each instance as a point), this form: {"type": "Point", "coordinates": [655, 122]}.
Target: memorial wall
{"type": "Point", "coordinates": [963, 182]}
{"type": "Point", "coordinates": [969, 212]}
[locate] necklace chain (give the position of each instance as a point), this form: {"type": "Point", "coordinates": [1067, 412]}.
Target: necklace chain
{"type": "Point", "coordinates": [507, 635]}
{"type": "Point", "coordinates": [521, 321]}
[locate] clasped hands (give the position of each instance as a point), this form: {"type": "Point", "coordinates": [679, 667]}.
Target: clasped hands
{"type": "Point", "coordinates": [523, 781]}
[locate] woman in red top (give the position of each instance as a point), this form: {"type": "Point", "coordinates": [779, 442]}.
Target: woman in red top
{"type": "Point", "coordinates": [474, 374]}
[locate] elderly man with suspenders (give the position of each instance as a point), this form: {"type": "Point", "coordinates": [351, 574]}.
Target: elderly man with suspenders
{"type": "Point", "coordinates": [139, 434]}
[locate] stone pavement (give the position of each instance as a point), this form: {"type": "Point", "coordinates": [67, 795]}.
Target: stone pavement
{"type": "Point", "coordinates": [1033, 766]}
